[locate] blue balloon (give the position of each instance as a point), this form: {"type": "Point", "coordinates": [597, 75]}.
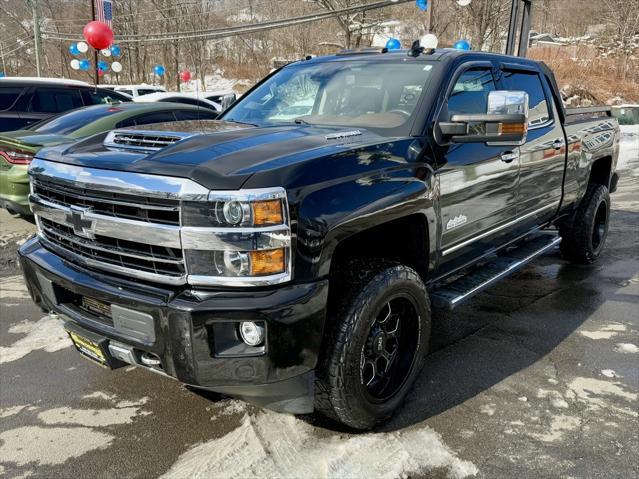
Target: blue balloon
{"type": "Point", "coordinates": [159, 70]}
{"type": "Point", "coordinates": [73, 49]}
{"type": "Point", "coordinates": [2, 75]}
{"type": "Point", "coordinates": [85, 65]}
{"type": "Point", "coordinates": [116, 51]}
{"type": "Point", "coordinates": [393, 44]}
{"type": "Point", "coordinates": [422, 4]}
{"type": "Point", "coordinates": [462, 45]}
{"type": "Point", "coordinates": [103, 66]}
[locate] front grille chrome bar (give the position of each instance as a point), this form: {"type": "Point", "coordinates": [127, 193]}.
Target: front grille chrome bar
{"type": "Point", "coordinates": [87, 224]}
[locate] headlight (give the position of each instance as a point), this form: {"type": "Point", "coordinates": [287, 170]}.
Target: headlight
{"type": "Point", "coordinates": [225, 210]}
{"type": "Point", "coordinates": [238, 238]}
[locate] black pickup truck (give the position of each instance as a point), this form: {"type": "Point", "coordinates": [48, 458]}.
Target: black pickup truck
{"type": "Point", "coordinates": [289, 253]}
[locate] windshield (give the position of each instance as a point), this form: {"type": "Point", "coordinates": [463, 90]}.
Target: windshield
{"type": "Point", "coordinates": [368, 94]}
{"type": "Point", "coordinates": [69, 122]}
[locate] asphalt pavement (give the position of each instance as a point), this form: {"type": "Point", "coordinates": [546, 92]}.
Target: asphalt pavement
{"type": "Point", "coordinates": [538, 377]}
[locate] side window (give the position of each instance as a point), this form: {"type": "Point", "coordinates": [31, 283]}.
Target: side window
{"type": "Point", "coordinates": [8, 96]}
{"type": "Point", "coordinates": [146, 91]}
{"type": "Point", "coordinates": [470, 93]}
{"type": "Point", "coordinates": [97, 97]}
{"type": "Point", "coordinates": [203, 114]}
{"type": "Point", "coordinates": [531, 84]}
{"type": "Point", "coordinates": [55, 100]}
{"type": "Point", "coordinates": [156, 117]}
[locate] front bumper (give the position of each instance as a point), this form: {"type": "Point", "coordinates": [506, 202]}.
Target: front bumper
{"type": "Point", "coordinates": [186, 326]}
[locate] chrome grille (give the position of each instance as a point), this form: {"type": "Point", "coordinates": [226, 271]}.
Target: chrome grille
{"type": "Point", "coordinates": [119, 205]}
{"type": "Point", "coordinates": [122, 222]}
{"type": "Point", "coordinates": [127, 254]}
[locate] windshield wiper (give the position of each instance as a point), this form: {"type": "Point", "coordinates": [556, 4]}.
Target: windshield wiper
{"type": "Point", "coordinates": [300, 121]}
{"type": "Point", "coordinates": [240, 122]}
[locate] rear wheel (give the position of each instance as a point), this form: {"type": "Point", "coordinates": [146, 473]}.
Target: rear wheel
{"type": "Point", "coordinates": [583, 239]}
{"type": "Point", "coordinates": [375, 345]}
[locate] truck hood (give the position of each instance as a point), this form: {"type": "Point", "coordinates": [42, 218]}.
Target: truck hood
{"type": "Point", "coordinates": [222, 155]}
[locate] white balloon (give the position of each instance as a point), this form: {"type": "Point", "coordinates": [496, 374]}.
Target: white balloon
{"type": "Point", "coordinates": [75, 64]}
{"type": "Point", "coordinates": [116, 67]}
{"type": "Point", "coordinates": [429, 41]}
{"type": "Point", "coordinates": [464, 3]}
{"type": "Point", "coordinates": [106, 52]}
{"type": "Point", "coordinates": [83, 47]}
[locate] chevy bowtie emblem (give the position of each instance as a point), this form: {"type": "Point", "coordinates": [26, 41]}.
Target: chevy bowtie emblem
{"type": "Point", "coordinates": [81, 226]}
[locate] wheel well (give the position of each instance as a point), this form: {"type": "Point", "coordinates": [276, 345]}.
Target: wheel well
{"type": "Point", "coordinates": [404, 240]}
{"type": "Point", "coordinates": [600, 172]}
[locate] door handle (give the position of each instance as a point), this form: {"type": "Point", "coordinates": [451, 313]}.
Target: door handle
{"type": "Point", "coordinates": [508, 156]}
{"type": "Point", "coordinates": [558, 144]}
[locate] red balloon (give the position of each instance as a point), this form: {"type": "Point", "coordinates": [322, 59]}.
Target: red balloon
{"type": "Point", "coordinates": [97, 34]}
{"type": "Point", "coordinates": [100, 73]}
{"type": "Point", "coordinates": [185, 75]}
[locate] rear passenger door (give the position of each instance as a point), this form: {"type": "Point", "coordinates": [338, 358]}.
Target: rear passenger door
{"type": "Point", "coordinates": [478, 181]}
{"type": "Point", "coordinates": [542, 157]}
{"type": "Point", "coordinates": [48, 101]}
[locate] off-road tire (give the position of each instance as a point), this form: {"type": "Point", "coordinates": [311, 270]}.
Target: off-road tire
{"type": "Point", "coordinates": [581, 243]}
{"type": "Point", "coordinates": [360, 289]}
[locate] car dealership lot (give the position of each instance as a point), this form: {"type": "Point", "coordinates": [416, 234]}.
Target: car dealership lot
{"type": "Point", "coordinates": [537, 377]}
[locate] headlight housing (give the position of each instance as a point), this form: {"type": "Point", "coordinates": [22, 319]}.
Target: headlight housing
{"type": "Point", "coordinates": [238, 238]}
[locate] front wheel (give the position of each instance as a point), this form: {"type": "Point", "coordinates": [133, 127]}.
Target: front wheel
{"type": "Point", "coordinates": [375, 346]}
{"type": "Point", "coordinates": [584, 238]}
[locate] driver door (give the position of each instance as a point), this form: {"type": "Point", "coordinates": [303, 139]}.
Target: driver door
{"type": "Point", "coordinates": [478, 182]}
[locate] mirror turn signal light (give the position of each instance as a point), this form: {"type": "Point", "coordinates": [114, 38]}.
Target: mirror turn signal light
{"type": "Point", "coordinates": [512, 128]}
{"type": "Point", "coordinates": [267, 212]}
{"type": "Point", "coordinates": [265, 262]}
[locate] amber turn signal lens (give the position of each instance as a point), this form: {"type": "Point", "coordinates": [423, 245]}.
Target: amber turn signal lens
{"type": "Point", "coordinates": [267, 212]}
{"type": "Point", "coordinates": [512, 128]}
{"type": "Point", "coordinates": [267, 262]}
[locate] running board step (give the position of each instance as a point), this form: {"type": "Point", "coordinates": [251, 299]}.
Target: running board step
{"type": "Point", "coordinates": [453, 294]}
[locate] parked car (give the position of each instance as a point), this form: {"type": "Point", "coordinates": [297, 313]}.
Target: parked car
{"type": "Point", "coordinates": [24, 101]}
{"type": "Point", "coordinates": [224, 98]}
{"type": "Point", "coordinates": [294, 263]}
{"type": "Point", "coordinates": [135, 91]}
{"type": "Point", "coordinates": [17, 148]}
{"type": "Point", "coordinates": [186, 98]}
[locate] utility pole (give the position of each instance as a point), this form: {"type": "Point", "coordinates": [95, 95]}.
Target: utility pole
{"type": "Point", "coordinates": [430, 16]}
{"type": "Point", "coordinates": [36, 36]}
{"type": "Point", "coordinates": [4, 65]}
{"type": "Point", "coordinates": [95, 52]}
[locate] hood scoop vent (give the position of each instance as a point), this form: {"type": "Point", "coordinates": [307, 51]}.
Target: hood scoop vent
{"type": "Point", "coordinates": [142, 140]}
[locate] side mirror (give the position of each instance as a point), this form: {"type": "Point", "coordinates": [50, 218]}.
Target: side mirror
{"type": "Point", "coordinates": [506, 121]}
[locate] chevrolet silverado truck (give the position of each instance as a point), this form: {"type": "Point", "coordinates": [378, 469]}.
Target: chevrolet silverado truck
{"type": "Point", "coordinates": [289, 253]}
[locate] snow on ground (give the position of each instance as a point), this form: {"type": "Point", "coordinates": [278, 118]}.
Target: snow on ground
{"type": "Point", "coordinates": [629, 148]}
{"type": "Point", "coordinates": [46, 334]}
{"type": "Point", "coordinates": [217, 82]}
{"type": "Point", "coordinates": [268, 444]}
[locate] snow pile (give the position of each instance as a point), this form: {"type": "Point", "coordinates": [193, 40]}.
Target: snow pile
{"type": "Point", "coordinates": [628, 148]}
{"type": "Point", "coordinates": [217, 82]}
{"type": "Point", "coordinates": [277, 445]}
{"type": "Point", "coordinates": [46, 334]}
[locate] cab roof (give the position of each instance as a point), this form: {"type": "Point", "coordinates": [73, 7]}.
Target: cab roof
{"type": "Point", "coordinates": [438, 54]}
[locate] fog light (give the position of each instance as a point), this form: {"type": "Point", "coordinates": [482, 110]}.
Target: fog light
{"type": "Point", "coordinates": [252, 333]}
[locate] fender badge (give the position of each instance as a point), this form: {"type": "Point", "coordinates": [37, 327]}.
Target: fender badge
{"type": "Point", "coordinates": [342, 134]}
{"type": "Point", "coordinates": [456, 221]}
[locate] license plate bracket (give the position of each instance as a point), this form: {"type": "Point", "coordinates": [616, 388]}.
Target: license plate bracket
{"type": "Point", "coordinates": [92, 346]}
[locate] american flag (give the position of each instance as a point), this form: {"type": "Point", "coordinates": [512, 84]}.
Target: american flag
{"type": "Point", "coordinates": [104, 11]}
